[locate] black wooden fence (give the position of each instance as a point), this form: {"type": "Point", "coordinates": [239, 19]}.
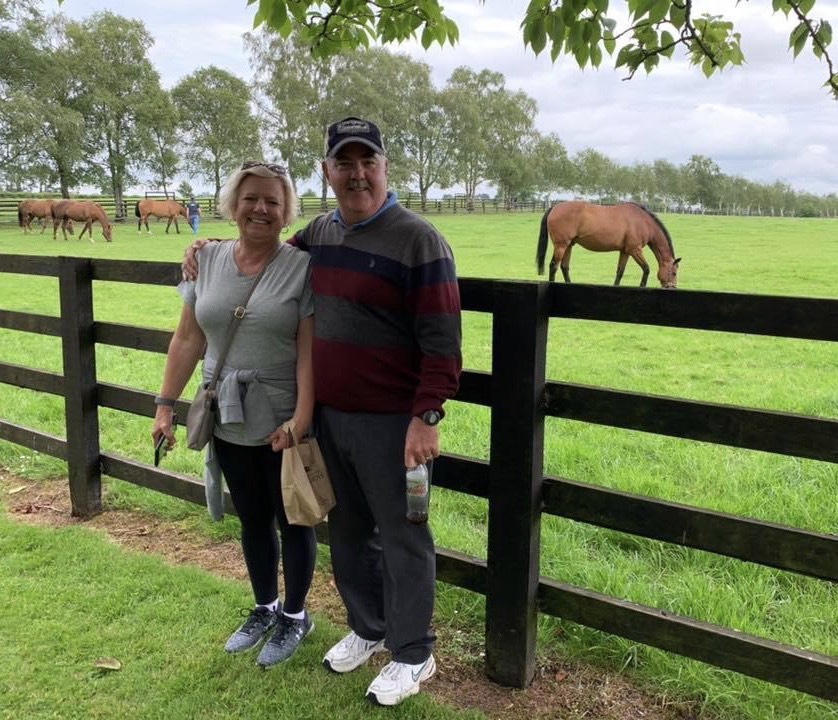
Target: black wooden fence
{"type": "Point", "coordinates": [512, 480]}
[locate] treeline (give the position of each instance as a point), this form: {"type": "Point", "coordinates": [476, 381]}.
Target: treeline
{"type": "Point", "coordinates": [85, 108]}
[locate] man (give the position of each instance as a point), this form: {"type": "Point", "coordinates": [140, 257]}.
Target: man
{"type": "Point", "coordinates": [193, 211]}
{"type": "Point", "coordinates": [386, 356]}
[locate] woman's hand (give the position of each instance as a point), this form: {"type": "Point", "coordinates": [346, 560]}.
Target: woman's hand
{"type": "Point", "coordinates": [280, 439]}
{"type": "Point", "coordinates": [164, 425]}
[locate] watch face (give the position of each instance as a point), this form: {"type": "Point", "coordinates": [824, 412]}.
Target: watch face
{"type": "Point", "coordinates": [431, 417]}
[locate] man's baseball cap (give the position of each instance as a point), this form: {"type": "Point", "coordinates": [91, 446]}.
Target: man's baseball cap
{"type": "Point", "coordinates": [351, 130]}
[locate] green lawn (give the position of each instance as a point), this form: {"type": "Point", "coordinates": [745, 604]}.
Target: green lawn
{"type": "Point", "coordinates": [78, 598]}
{"type": "Point", "coordinates": [796, 257]}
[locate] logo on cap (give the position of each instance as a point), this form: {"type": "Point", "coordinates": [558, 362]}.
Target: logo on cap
{"type": "Point", "coordinates": [353, 126]}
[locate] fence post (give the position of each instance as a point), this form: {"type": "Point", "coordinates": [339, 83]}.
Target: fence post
{"type": "Point", "coordinates": [75, 285]}
{"type": "Point", "coordinates": [519, 343]}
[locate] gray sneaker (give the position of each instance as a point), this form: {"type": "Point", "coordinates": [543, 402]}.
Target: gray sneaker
{"type": "Point", "coordinates": [260, 621]}
{"type": "Point", "coordinates": [286, 639]}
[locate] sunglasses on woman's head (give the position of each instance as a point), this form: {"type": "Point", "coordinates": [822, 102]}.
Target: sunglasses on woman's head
{"type": "Point", "coordinates": [273, 167]}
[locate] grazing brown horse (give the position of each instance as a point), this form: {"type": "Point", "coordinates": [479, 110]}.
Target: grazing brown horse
{"type": "Point", "coordinates": [626, 227]}
{"type": "Point", "coordinates": [159, 208]}
{"type": "Point", "coordinates": [29, 209]}
{"type": "Point", "coordinates": [63, 211]}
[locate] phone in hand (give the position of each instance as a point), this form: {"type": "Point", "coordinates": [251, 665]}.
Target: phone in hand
{"type": "Point", "coordinates": [161, 447]}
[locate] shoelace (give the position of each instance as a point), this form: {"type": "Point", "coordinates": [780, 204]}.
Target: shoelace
{"type": "Point", "coordinates": [391, 670]}
{"type": "Point", "coordinates": [255, 617]}
{"type": "Point", "coordinates": [288, 626]}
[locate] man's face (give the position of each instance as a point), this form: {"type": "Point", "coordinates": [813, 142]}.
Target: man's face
{"type": "Point", "coordinates": [359, 180]}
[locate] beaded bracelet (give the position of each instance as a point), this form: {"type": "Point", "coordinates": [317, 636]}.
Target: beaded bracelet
{"type": "Point", "coordinates": [168, 402]}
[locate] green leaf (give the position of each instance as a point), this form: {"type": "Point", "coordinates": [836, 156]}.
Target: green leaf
{"type": "Point", "coordinates": [610, 44]}
{"type": "Point", "coordinates": [797, 38]}
{"type": "Point", "coordinates": [581, 54]}
{"type": "Point", "coordinates": [824, 33]}
{"type": "Point", "coordinates": [707, 67]}
{"type": "Point", "coordinates": [643, 7]}
{"type": "Point", "coordinates": [453, 31]}
{"type": "Point", "coordinates": [596, 55]}
{"type": "Point", "coordinates": [805, 6]}
{"type": "Point", "coordinates": [441, 33]}
{"type": "Point", "coordinates": [538, 36]}
{"type": "Point", "coordinates": [677, 16]}
{"type": "Point", "coordinates": [601, 6]}
{"type": "Point", "coordinates": [659, 10]}
{"type": "Point", "coordinates": [624, 55]}
{"type": "Point", "coordinates": [557, 28]}
{"type": "Point", "coordinates": [427, 37]}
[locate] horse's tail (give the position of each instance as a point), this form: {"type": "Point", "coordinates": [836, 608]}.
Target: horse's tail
{"type": "Point", "coordinates": [541, 251]}
{"type": "Point", "coordinates": [20, 214]}
{"type": "Point", "coordinates": [137, 208]}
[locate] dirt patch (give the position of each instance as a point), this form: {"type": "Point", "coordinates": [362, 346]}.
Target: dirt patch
{"type": "Point", "coordinates": [570, 691]}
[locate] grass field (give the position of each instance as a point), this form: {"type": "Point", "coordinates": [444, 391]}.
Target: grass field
{"type": "Point", "coordinates": [795, 257]}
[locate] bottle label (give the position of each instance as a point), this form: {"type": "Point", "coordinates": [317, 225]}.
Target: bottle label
{"type": "Point", "coordinates": [417, 488]}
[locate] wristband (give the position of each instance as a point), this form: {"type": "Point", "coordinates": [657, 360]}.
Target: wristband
{"type": "Point", "coordinates": [167, 402]}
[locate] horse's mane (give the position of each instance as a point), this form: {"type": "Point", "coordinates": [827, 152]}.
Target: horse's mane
{"type": "Point", "coordinates": [658, 223]}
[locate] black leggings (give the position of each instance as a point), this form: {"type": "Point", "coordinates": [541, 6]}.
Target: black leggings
{"type": "Point", "coordinates": [253, 478]}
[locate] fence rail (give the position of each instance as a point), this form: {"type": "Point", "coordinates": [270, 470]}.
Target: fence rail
{"type": "Point", "coordinates": [308, 206]}
{"type": "Point", "coordinates": [512, 480]}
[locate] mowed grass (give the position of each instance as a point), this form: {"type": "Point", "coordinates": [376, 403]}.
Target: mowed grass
{"type": "Point", "coordinates": [74, 599]}
{"type": "Point", "coordinates": [794, 257]}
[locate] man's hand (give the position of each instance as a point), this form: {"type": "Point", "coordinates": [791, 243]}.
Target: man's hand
{"type": "Point", "coordinates": [421, 444]}
{"type": "Point", "coordinates": [189, 266]}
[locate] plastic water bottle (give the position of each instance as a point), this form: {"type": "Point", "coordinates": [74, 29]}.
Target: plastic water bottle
{"type": "Point", "coordinates": [417, 494]}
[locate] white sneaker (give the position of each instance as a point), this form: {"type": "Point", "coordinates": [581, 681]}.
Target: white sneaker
{"type": "Point", "coordinates": [351, 652]}
{"type": "Point", "coordinates": [398, 681]}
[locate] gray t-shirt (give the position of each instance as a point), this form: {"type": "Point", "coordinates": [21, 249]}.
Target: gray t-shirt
{"type": "Point", "coordinates": [266, 338]}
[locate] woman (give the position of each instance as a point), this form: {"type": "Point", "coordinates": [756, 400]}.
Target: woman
{"type": "Point", "coordinates": [265, 382]}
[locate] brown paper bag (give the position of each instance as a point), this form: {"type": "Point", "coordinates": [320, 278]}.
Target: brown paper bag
{"type": "Point", "coordinates": [306, 489]}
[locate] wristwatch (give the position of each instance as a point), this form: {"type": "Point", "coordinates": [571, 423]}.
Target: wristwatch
{"type": "Point", "coordinates": [431, 417]}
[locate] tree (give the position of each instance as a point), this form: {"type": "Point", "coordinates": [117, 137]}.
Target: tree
{"type": "Point", "coordinates": [551, 165]}
{"type": "Point", "coordinates": [489, 126]}
{"type": "Point", "coordinates": [220, 129]}
{"type": "Point", "coordinates": [581, 28]}
{"type": "Point", "coordinates": [706, 178]}
{"type": "Point", "coordinates": [414, 124]}
{"type": "Point", "coordinates": [114, 75]}
{"type": "Point", "coordinates": [594, 173]}
{"type": "Point", "coordinates": [292, 93]}
{"type": "Point", "coordinates": [158, 117]}
{"type": "Point", "coordinates": [41, 133]}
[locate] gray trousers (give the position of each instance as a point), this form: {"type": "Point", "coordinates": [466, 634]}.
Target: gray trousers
{"type": "Point", "coordinates": [384, 565]}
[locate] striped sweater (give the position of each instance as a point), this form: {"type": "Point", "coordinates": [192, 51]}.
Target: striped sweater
{"type": "Point", "coordinates": [386, 313]}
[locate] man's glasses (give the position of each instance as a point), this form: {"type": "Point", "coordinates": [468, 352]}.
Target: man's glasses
{"type": "Point", "coordinates": [273, 167]}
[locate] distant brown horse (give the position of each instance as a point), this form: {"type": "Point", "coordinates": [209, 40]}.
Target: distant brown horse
{"type": "Point", "coordinates": [63, 211]}
{"type": "Point", "coordinates": [626, 227]}
{"type": "Point", "coordinates": [170, 209]}
{"type": "Point", "coordinates": [29, 209]}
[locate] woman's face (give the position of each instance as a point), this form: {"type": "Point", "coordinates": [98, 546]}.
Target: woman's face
{"type": "Point", "coordinates": [260, 208]}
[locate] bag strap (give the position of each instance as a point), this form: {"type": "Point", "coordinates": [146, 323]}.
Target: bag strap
{"type": "Point", "coordinates": [290, 427]}
{"type": "Point", "coordinates": [238, 314]}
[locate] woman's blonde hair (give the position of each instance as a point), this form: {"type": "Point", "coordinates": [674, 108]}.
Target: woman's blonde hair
{"type": "Point", "coordinates": [229, 195]}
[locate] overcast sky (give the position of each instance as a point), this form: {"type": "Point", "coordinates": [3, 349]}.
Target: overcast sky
{"type": "Point", "coordinates": [767, 120]}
